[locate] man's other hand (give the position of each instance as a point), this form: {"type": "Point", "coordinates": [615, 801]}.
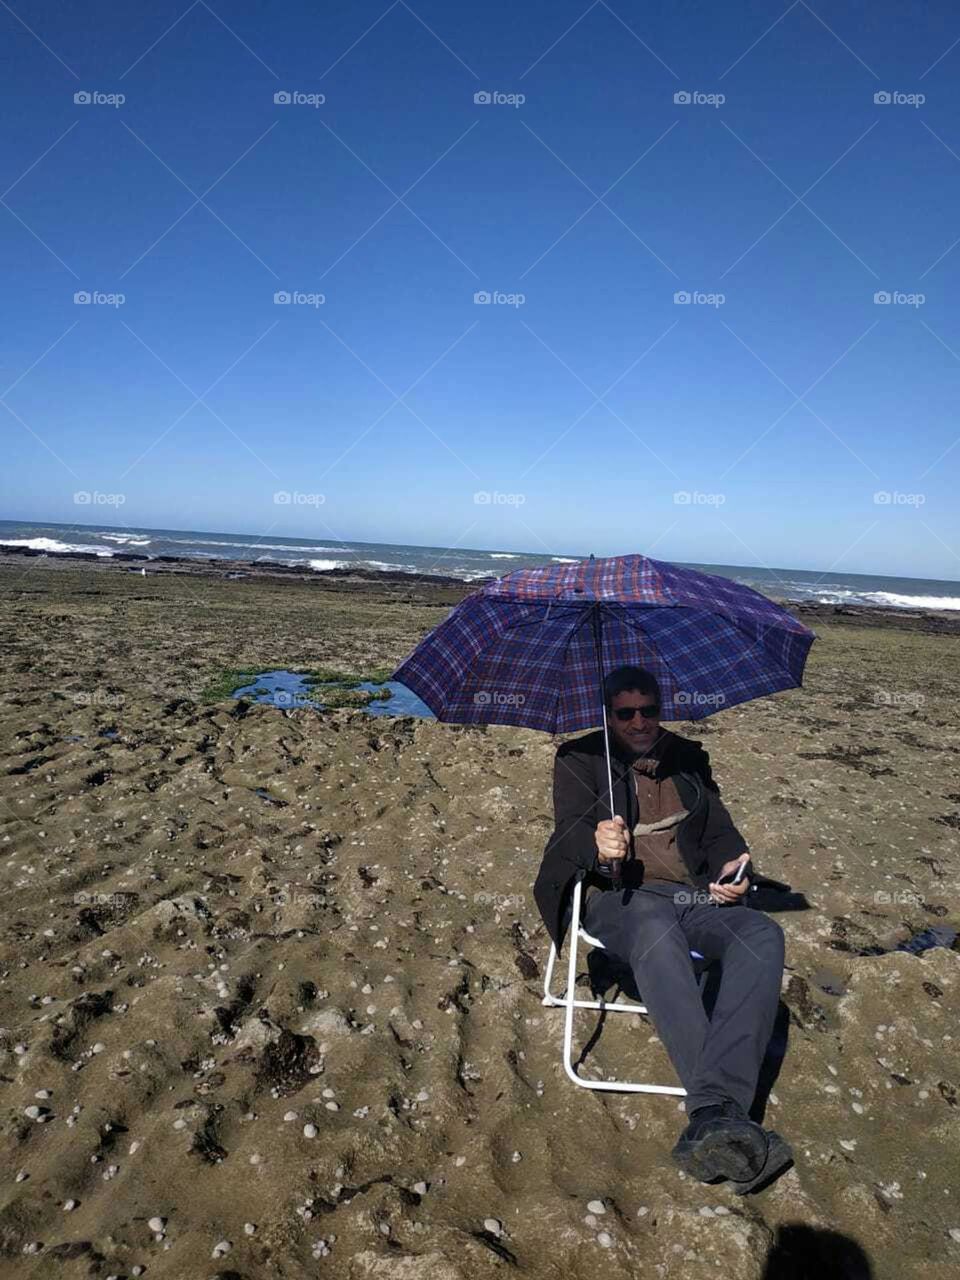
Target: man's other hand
{"type": "Point", "coordinates": [722, 893]}
{"type": "Point", "coordinates": [612, 839]}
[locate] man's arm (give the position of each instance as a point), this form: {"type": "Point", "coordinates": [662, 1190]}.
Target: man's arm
{"type": "Point", "coordinates": [574, 803]}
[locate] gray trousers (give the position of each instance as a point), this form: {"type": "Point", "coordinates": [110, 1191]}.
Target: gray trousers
{"type": "Point", "coordinates": [653, 930]}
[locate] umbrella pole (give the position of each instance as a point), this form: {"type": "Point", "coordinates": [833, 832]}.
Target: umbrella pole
{"type": "Point", "coordinates": [598, 646]}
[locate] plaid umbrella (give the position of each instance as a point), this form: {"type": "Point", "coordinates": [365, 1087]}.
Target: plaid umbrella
{"type": "Point", "coordinates": [530, 648]}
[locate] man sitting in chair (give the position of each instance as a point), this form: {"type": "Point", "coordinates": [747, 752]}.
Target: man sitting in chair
{"type": "Point", "coordinates": [678, 843]}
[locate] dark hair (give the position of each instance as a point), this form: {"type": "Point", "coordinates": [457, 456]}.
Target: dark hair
{"type": "Point", "coordinates": [628, 678]}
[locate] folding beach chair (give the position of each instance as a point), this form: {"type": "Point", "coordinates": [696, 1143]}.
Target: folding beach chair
{"type": "Point", "coordinates": [569, 1002]}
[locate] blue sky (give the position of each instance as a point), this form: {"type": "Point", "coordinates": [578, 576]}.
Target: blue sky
{"type": "Point", "coordinates": [587, 407]}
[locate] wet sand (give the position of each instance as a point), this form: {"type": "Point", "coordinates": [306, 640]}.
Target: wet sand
{"type": "Point", "coordinates": [270, 980]}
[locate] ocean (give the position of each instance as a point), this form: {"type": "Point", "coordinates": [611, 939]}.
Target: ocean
{"type": "Point", "coordinates": [320, 556]}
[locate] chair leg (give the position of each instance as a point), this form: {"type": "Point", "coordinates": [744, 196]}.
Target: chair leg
{"type": "Point", "coordinates": [570, 1003]}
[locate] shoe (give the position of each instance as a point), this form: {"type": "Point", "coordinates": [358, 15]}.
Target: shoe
{"type": "Point", "coordinates": [779, 1159]}
{"type": "Point", "coordinates": [721, 1142]}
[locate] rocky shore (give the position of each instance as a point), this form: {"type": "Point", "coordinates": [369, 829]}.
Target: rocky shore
{"type": "Point", "coordinates": [270, 979]}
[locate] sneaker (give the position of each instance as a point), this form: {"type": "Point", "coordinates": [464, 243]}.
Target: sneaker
{"type": "Point", "coordinates": [721, 1142]}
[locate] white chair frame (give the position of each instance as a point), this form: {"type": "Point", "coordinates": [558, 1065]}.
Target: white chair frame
{"type": "Point", "coordinates": [569, 1002]}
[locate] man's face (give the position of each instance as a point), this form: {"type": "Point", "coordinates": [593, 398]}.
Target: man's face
{"type": "Point", "coordinates": [636, 734]}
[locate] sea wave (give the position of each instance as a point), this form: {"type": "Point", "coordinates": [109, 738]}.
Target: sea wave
{"type": "Point", "coordinates": [253, 545]}
{"type": "Point", "coordinates": [51, 544]}
{"type": "Point", "coordinates": [324, 566]}
{"type": "Point", "coordinates": [893, 600]}
{"type": "Point", "coordinates": [564, 560]}
{"type": "Point", "coordinates": [503, 555]}
{"type": "Point", "coordinates": [127, 539]}
{"type": "Point", "coordinates": [385, 564]}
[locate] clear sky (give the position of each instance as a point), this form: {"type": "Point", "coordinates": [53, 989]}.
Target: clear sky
{"type": "Point", "coordinates": [781, 187]}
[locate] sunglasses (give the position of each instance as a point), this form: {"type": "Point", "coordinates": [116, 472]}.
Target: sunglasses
{"type": "Point", "coordinates": [625, 714]}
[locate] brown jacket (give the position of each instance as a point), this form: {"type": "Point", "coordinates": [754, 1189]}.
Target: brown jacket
{"type": "Point", "coordinates": [706, 838]}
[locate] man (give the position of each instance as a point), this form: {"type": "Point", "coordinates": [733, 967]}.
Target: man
{"type": "Point", "coordinates": [676, 844]}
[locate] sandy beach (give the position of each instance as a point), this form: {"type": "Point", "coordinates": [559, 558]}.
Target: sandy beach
{"type": "Point", "coordinates": [270, 980]}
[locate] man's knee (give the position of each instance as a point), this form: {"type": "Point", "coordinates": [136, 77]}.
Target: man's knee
{"type": "Point", "coordinates": [761, 934]}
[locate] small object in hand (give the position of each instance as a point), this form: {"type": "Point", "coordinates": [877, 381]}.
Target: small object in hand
{"type": "Point", "coordinates": [616, 878]}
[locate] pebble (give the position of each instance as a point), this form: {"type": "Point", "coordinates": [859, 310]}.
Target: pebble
{"type": "Point", "coordinates": [157, 1225]}
{"type": "Point", "coordinates": [605, 1240]}
{"type": "Point", "coordinates": [256, 1158]}
{"type": "Point", "coordinates": [250, 1228]}
{"type": "Point", "coordinates": [220, 1249]}
{"type": "Point", "coordinates": [32, 1113]}
{"type": "Point", "coordinates": [309, 1130]}
{"type": "Point", "coordinates": [70, 1205]}
{"type": "Point", "coordinates": [333, 1106]}
{"type": "Point", "coordinates": [597, 1206]}
{"type": "Point", "coordinates": [954, 1234]}
{"type": "Point", "coordinates": [289, 1115]}
{"type": "Point", "coordinates": [99, 1047]}
{"type": "Point", "coordinates": [420, 1188]}
{"type": "Point", "coordinates": [493, 1225]}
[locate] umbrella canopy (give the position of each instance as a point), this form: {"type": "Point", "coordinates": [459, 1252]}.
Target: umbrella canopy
{"type": "Point", "coordinates": [527, 649]}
